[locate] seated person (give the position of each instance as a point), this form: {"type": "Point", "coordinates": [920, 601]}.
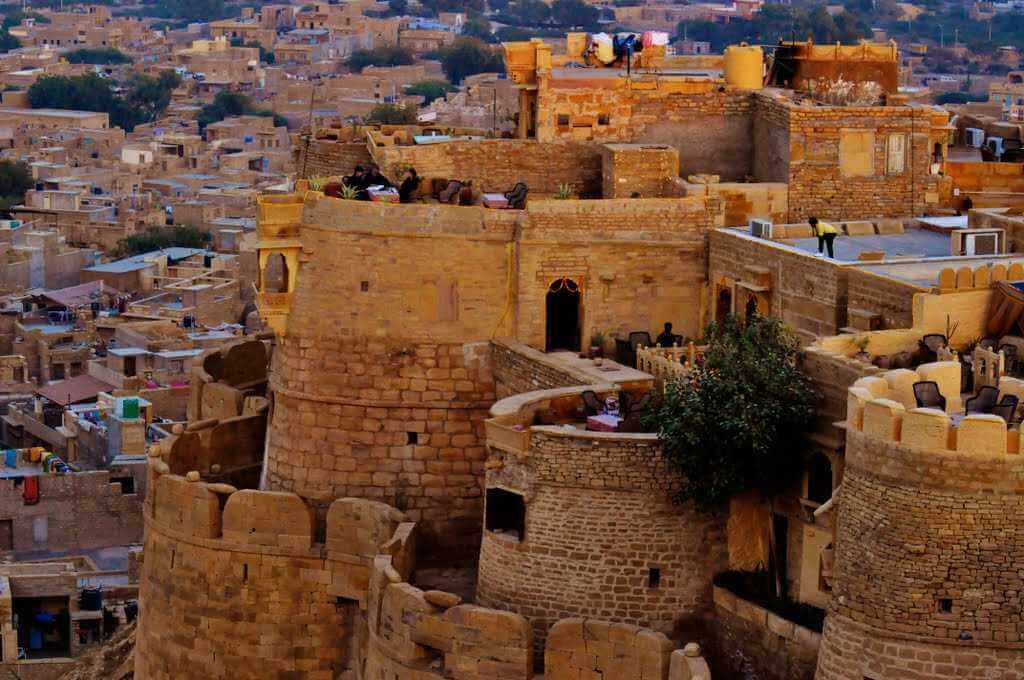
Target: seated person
{"type": "Point", "coordinates": [355, 180]}
{"type": "Point", "coordinates": [410, 182]}
{"type": "Point", "coordinates": [666, 338]}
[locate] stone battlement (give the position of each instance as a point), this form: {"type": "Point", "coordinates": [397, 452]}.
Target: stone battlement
{"type": "Point", "coordinates": [883, 408]}
{"type": "Point", "coordinates": [220, 516]}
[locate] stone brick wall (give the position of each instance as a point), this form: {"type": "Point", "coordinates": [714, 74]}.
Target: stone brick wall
{"type": "Point", "coordinates": [890, 299]}
{"type": "Point", "coordinates": [599, 519]}
{"type": "Point", "coordinates": [638, 262]}
{"type": "Point", "coordinates": [497, 165]}
{"type": "Point", "coordinates": [927, 544]}
{"type": "Point", "coordinates": [646, 169]}
{"type": "Point", "coordinates": [817, 184]}
{"type": "Point", "coordinates": [75, 512]}
{"type": "Point", "coordinates": [518, 368]}
{"type": "Point", "coordinates": [329, 157]}
{"type": "Point", "coordinates": [412, 633]}
{"type": "Point", "coordinates": [381, 382]}
{"type": "Point", "coordinates": [709, 123]}
{"type": "Point", "coordinates": [233, 585]}
{"type": "Point", "coordinates": [777, 649]}
{"type": "Point", "coordinates": [808, 293]}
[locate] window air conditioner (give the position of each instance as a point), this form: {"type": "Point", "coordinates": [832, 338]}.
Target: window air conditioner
{"type": "Point", "coordinates": [986, 243]}
{"type": "Point", "coordinates": [761, 228]}
{"type": "Point", "coordinates": [974, 137]}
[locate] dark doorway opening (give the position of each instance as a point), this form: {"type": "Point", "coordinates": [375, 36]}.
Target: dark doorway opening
{"type": "Point", "coordinates": [819, 478]}
{"type": "Point", "coordinates": [6, 535]}
{"type": "Point", "coordinates": [723, 304]}
{"type": "Point", "coordinates": [751, 308]}
{"type": "Point", "coordinates": [505, 511]}
{"type": "Point", "coordinates": [44, 626]}
{"type": "Point", "coordinates": [563, 316]}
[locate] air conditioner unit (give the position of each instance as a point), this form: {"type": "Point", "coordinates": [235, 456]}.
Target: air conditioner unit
{"type": "Point", "coordinates": [974, 137]}
{"type": "Point", "coordinates": [761, 228]}
{"type": "Point", "coordinates": [984, 243]}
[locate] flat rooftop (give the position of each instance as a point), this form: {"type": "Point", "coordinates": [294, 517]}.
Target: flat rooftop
{"type": "Point", "coordinates": [912, 243]}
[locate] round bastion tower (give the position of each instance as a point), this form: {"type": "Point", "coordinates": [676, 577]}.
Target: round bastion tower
{"type": "Point", "coordinates": [382, 377]}
{"type": "Point", "coordinates": [930, 542]}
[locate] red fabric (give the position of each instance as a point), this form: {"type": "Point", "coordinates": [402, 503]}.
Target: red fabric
{"type": "Point", "coordinates": [30, 492]}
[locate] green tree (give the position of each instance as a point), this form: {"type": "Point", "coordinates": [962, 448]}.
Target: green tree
{"type": "Point", "coordinates": [97, 55]}
{"type": "Point", "coordinates": [380, 56]}
{"type": "Point", "coordinates": [435, 6]}
{"type": "Point", "coordinates": [146, 97]}
{"type": "Point", "coordinates": [738, 421]}
{"type": "Point", "coordinates": [149, 96]}
{"type": "Point", "coordinates": [15, 18]}
{"type": "Point", "coordinates": [266, 56]}
{"type": "Point", "coordinates": [226, 104]}
{"type": "Point", "coordinates": [469, 56]}
{"type": "Point", "coordinates": [529, 12]}
{"type": "Point", "coordinates": [574, 13]}
{"type": "Point", "coordinates": [392, 114]}
{"type": "Point", "coordinates": [478, 27]}
{"type": "Point", "coordinates": [15, 180]}
{"type": "Point", "coordinates": [430, 89]}
{"type": "Point", "coordinates": [194, 10]}
{"type": "Point", "coordinates": [155, 238]}
{"type": "Point", "coordinates": [7, 41]}
{"type": "Point", "coordinates": [512, 34]}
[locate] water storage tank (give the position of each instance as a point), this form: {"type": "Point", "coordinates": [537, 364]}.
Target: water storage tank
{"type": "Point", "coordinates": [744, 66]}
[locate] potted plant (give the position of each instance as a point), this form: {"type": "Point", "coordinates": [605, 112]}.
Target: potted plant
{"type": "Point", "coordinates": [564, 192]}
{"type": "Point", "coordinates": [596, 344]}
{"type": "Point", "coordinates": [861, 343]}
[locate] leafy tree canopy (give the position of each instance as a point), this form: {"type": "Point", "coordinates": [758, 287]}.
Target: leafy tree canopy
{"type": "Point", "coordinates": [430, 89]}
{"type": "Point", "coordinates": [480, 28]}
{"type": "Point", "coordinates": [17, 16]}
{"type": "Point", "coordinates": [573, 13]}
{"type": "Point", "coordinates": [392, 114]}
{"type": "Point", "coordinates": [15, 180]}
{"type": "Point", "coordinates": [97, 55]}
{"type": "Point", "coordinates": [738, 422]}
{"type": "Point", "coordinates": [227, 104]}
{"type": "Point", "coordinates": [469, 56]}
{"type": "Point", "coordinates": [380, 56]}
{"type": "Point", "coordinates": [179, 235]}
{"type": "Point", "coordinates": [146, 97]}
{"type": "Point", "coordinates": [266, 56]}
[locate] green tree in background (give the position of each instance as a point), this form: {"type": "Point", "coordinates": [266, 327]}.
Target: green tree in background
{"type": "Point", "coordinates": [15, 18]}
{"type": "Point", "coordinates": [15, 180]}
{"type": "Point", "coordinates": [266, 56]}
{"type": "Point", "coordinates": [194, 10]}
{"type": "Point", "coordinates": [478, 27]}
{"type": "Point", "coordinates": [146, 97]}
{"type": "Point", "coordinates": [155, 238]}
{"type": "Point", "coordinates": [98, 55]}
{"type": "Point", "coordinates": [469, 56]}
{"type": "Point", "coordinates": [380, 56]}
{"type": "Point", "coordinates": [738, 422]}
{"type": "Point", "coordinates": [572, 13]}
{"type": "Point", "coordinates": [392, 114]}
{"type": "Point", "coordinates": [430, 89]}
{"type": "Point", "coordinates": [227, 104]}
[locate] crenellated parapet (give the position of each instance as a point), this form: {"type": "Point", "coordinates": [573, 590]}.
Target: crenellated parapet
{"type": "Point", "coordinates": [930, 532]}
{"type": "Point", "coordinates": [224, 566]}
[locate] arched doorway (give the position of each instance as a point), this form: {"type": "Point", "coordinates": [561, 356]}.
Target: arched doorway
{"type": "Point", "coordinates": [723, 303]}
{"type": "Point", "coordinates": [275, 274]}
{"type": "Point", "coordinates": [563, 316]}
{"type": "Point", "coordinates": [751, 308]}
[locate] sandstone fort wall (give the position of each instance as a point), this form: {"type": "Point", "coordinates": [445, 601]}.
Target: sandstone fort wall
{"type": "Point", "coordinates": [925, 578]}
{"type": "Point", "coordinates": [602, 537]}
